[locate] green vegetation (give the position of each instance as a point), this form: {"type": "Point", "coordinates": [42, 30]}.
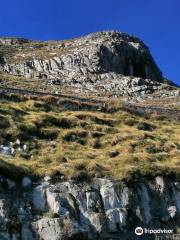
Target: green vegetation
{"type": "Point", "coordinates": [83, 144]}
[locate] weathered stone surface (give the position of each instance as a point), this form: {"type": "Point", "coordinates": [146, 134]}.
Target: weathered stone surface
{"type": "Point", "coordinates": [26, 182]}
{"type": "Point", "coordinates": [71, 210]}
{"type": "Point", "coordinates": [96, 53]}
{"type": "Point", "coordinates": [104, 63]}
{"type": "Point", "coordinates": [39, 197]}
{"type": "Point", "coordinates": [49, 228]}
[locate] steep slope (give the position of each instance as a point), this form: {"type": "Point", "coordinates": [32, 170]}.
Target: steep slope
{"type": "Point", "coordinates": [89, 140]}
{"type": "Point", "coordinates": [104, 63]}
{"type": "Point", "coordinates": [64, 138]}
{"type": "Point", "coordinates": [85, 174]}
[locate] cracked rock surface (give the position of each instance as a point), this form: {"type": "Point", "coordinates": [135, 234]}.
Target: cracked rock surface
{"type": "Point", "coordinates": [103, 63]}
{"type": "Point", "coordinates": [95, 210]}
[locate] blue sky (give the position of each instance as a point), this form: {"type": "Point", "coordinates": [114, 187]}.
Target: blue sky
{"type": "Point", "coordinates": [156, 22]}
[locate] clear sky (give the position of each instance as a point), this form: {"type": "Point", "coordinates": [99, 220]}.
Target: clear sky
{"type": "Point", "coordinates": [156, 22]}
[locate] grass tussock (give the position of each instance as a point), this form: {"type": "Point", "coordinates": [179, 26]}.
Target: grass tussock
{"type": "Point", "coordinates": [83, 144]}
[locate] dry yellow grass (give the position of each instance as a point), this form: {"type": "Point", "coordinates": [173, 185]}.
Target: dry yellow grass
{"type": "Point", "coordinates": [82, 144]}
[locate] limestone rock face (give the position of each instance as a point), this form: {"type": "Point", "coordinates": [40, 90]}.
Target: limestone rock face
{"type": "Point", "coordinates": [100, 209]}
{"type": "Point", "coordinates": [96, 53]}
{"type": "Point", "coordinates": [106, 62]}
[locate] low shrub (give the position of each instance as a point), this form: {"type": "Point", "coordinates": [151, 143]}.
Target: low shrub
{"type": "Point", "coordinates": [60, 158]}
{"type": "Point", "coordinates": [76, 136]}
{"type": "Point", "coordinates": [4, 122]}
{"type": "Point", "coordinates": [152, 148]}
{"type": "Point", "coordinates": [97, 134]}
{"type": "Point", "coordinates": [130, 122]}
{"type": "Point", "coordinates": [50, 134]}
{"type": "Point", "coordinates": [96, 143]}
{"type": "Point", "coordinates": [113, 154]}
{"type": "Point", "coordinates": [29, 129]}
{"type": "Point", "coordinates": [103, 121]}
{"type": "Point", "coordinates": [81, 175]}
{"type": "Point", "coordinates": [57, 122]}
{"type": "Point", "coordinates": [145, 126]}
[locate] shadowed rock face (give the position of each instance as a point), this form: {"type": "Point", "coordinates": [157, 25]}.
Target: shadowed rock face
{"type": "Point", "coordinates": [128, 56]}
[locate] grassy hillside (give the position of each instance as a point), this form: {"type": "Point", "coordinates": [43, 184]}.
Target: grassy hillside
{"type": "Point", "coordinates": [82, 144]}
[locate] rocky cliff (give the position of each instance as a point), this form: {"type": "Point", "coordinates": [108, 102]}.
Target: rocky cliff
{"type": "Point", "coordinates": [100, 209]}
{"type": "Point", "coordinates": [105, 63]}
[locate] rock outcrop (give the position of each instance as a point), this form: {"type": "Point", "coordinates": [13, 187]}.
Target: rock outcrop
{"type": "Point", "coordinates": [101, 209]}
{"type": "Point", "coordinates": [111, 63]}
{"type": "Point", "coordinates": [13, 41]}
